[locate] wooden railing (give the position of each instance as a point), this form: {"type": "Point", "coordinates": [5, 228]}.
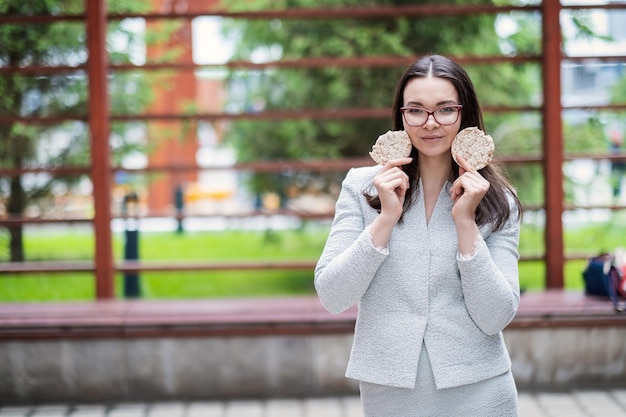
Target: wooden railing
{"type": "Point", "coordinates": [99, 119]}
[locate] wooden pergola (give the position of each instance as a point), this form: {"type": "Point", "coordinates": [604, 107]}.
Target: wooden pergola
{"type": "Point", "coordinates": [99, 118]}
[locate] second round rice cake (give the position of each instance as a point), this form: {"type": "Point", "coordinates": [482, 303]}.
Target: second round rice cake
{"type": "Point", "coordinates": [391, 145]}
{"type": "Point", "coordinates": [474, 146]}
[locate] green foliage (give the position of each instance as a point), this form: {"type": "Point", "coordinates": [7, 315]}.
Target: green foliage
{"type": "Point", "coordinates": [501, 84]}
{"type": "Point", "coordinates": [336, 88]}
{"type": "Point", "coordinates": [63, 94]}
{"type": "Point", "coordinates": [528, 182]}
{"type": "Point", "coordinates": [60, 94]}
{"type": "Point", "coordinates": [526, 39]}
{"type": "Point", "coordinates": [618, 92]}
{"type": "Point", "coordinates": [583, 23]}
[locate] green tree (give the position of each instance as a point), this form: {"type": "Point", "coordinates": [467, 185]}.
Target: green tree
{"type": "Point", "coordinates": [504, 84]}
{"type": "Point", "coordinates": [618, 94]}
{"type": "Point", "coordinates": [56, 94]}
{"type": "Point", "coordinates": [331, 88]}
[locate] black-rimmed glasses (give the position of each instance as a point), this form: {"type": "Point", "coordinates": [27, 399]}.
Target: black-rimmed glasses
{"type": "Point", "coordinates": [444, 115]}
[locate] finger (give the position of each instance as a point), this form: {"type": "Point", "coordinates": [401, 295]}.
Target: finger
{"type": "Point", "coordinates": [391, 173]}
{"type": "Point", "coordinates": [464, 166]}
{"type": "Point", "coordinates": [398, 183]}
{"type": "Point", "coordinates": [457, 189]}
{"type": "Point", "coordinates": [390, 180]}
{"type": "Point", "coordinates": [398, 162]}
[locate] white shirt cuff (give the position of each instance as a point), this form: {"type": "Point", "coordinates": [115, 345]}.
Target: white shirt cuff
{"type": "Point", "coordinates": [469, 256]}
{"type": "Point", "coordinates": [379, 249]}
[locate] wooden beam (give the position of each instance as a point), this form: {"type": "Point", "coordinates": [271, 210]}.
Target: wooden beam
{"type": "Point", "coordinates": [99, 127]}
{"type": "Point", "coordinates": [553, 143]}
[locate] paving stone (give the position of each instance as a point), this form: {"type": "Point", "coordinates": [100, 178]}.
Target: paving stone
{"type": "Point", "coordinates": [244, 409]}
{"type": "Point", "coordinates": [352, 407]}
{"type": "Point", "coordinates": [327, 407]}
{"type": "Point", "coordinates": [599, 404]}
{"type": "Point", "coordinates": [284, 408]}
{"type": "Point", "coordinates": [528, 406]}
{"type": "Point", "coordinates": [128, 410]}
{"type": "Point", "coordinates": [167, 410]}
{"type": "Point", "coordinates": [88, 411]}
{"type": "Point", "coordinates": [559, 405]}
{"type": "Point", "coordinates": [620, 397]}
{"type": "Point", "coordinates": [206, 409]}
{"type": "Point", "coordinates": [50, 411]}
{"type": "Point", "coordinates": [15, 411]}
{"type": "Point", "coordinates": [610, 403]}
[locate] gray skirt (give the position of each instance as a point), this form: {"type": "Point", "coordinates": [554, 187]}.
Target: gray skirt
{"type": "Point", "coordinates": [494, 397]}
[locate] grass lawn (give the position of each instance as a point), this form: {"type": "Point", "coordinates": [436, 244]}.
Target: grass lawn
{"type": "Point", "coordinates": [233, 245]}
{"type": "Point", "coordinates": [305, 244]}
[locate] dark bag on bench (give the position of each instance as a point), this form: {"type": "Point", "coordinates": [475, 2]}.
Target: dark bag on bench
{"type": "Point", "coordinates": [603, 278]}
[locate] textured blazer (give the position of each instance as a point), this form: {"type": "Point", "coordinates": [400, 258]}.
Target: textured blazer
{"type": "Point", "coordinates": [419, 291]}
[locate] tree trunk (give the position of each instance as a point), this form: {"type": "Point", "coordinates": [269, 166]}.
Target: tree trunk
{"type": "Point", "coordinates": [16, 243]}
{"type": "Point", "coordinates": [16, 207]}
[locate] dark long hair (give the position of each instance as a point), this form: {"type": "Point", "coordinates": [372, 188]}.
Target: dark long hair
{"type": "Point", "coordinates": [494, 207]}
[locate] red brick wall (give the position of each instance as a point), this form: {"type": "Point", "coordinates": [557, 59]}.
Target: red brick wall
{"type": "Point", "coordinates": [175, 142]}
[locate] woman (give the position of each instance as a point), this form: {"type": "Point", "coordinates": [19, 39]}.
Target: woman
{"type": "Point", "coordinates": [428, 250]}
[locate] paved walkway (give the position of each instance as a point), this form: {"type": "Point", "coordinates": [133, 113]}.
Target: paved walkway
{"type": "Point", "coordinates": [610, 403]}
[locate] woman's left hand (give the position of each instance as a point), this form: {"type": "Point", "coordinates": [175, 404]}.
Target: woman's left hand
{"type": "Point", "coordinates": [467, 191]}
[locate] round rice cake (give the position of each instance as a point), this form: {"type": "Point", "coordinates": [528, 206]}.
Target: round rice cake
{"type": "Point", "coordinates": [474, 146]}
{"type": "Point", "coordinates": [394, 144]}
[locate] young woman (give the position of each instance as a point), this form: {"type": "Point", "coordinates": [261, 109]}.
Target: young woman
{"type": "Point", "coordinates": [428, 251]}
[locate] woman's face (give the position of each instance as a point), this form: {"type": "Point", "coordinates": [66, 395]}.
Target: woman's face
{"type": "Point", "coordinates": [429, 93]}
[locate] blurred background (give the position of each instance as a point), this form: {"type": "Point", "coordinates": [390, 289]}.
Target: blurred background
{"type": "Point", "coordinates": [229, 125]}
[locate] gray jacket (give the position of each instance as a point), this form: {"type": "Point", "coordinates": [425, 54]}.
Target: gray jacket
{"type": "Point", "coordinates": [420, 292]}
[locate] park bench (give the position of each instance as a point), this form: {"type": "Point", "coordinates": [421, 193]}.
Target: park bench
{"type": "Point", "coordinates": [256, 316]}
{"type": "Point", "coordinates": [132, 350]}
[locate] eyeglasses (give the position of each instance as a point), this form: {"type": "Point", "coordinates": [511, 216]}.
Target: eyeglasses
{"type": "Point", "coordinates": [444, 115]}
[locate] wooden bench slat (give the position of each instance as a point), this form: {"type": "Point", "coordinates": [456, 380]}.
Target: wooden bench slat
{"type": "Point", "coordinates": [281, 315]}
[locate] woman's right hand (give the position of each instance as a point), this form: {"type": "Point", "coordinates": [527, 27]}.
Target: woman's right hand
{"type": "Point", "coordinates": [392, 183]}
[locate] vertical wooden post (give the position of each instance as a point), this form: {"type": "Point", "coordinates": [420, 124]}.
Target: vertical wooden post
{"type": "Point", "coordinates": [553, 143]}
{"type": "Point", "coordinates": [99, 128]}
